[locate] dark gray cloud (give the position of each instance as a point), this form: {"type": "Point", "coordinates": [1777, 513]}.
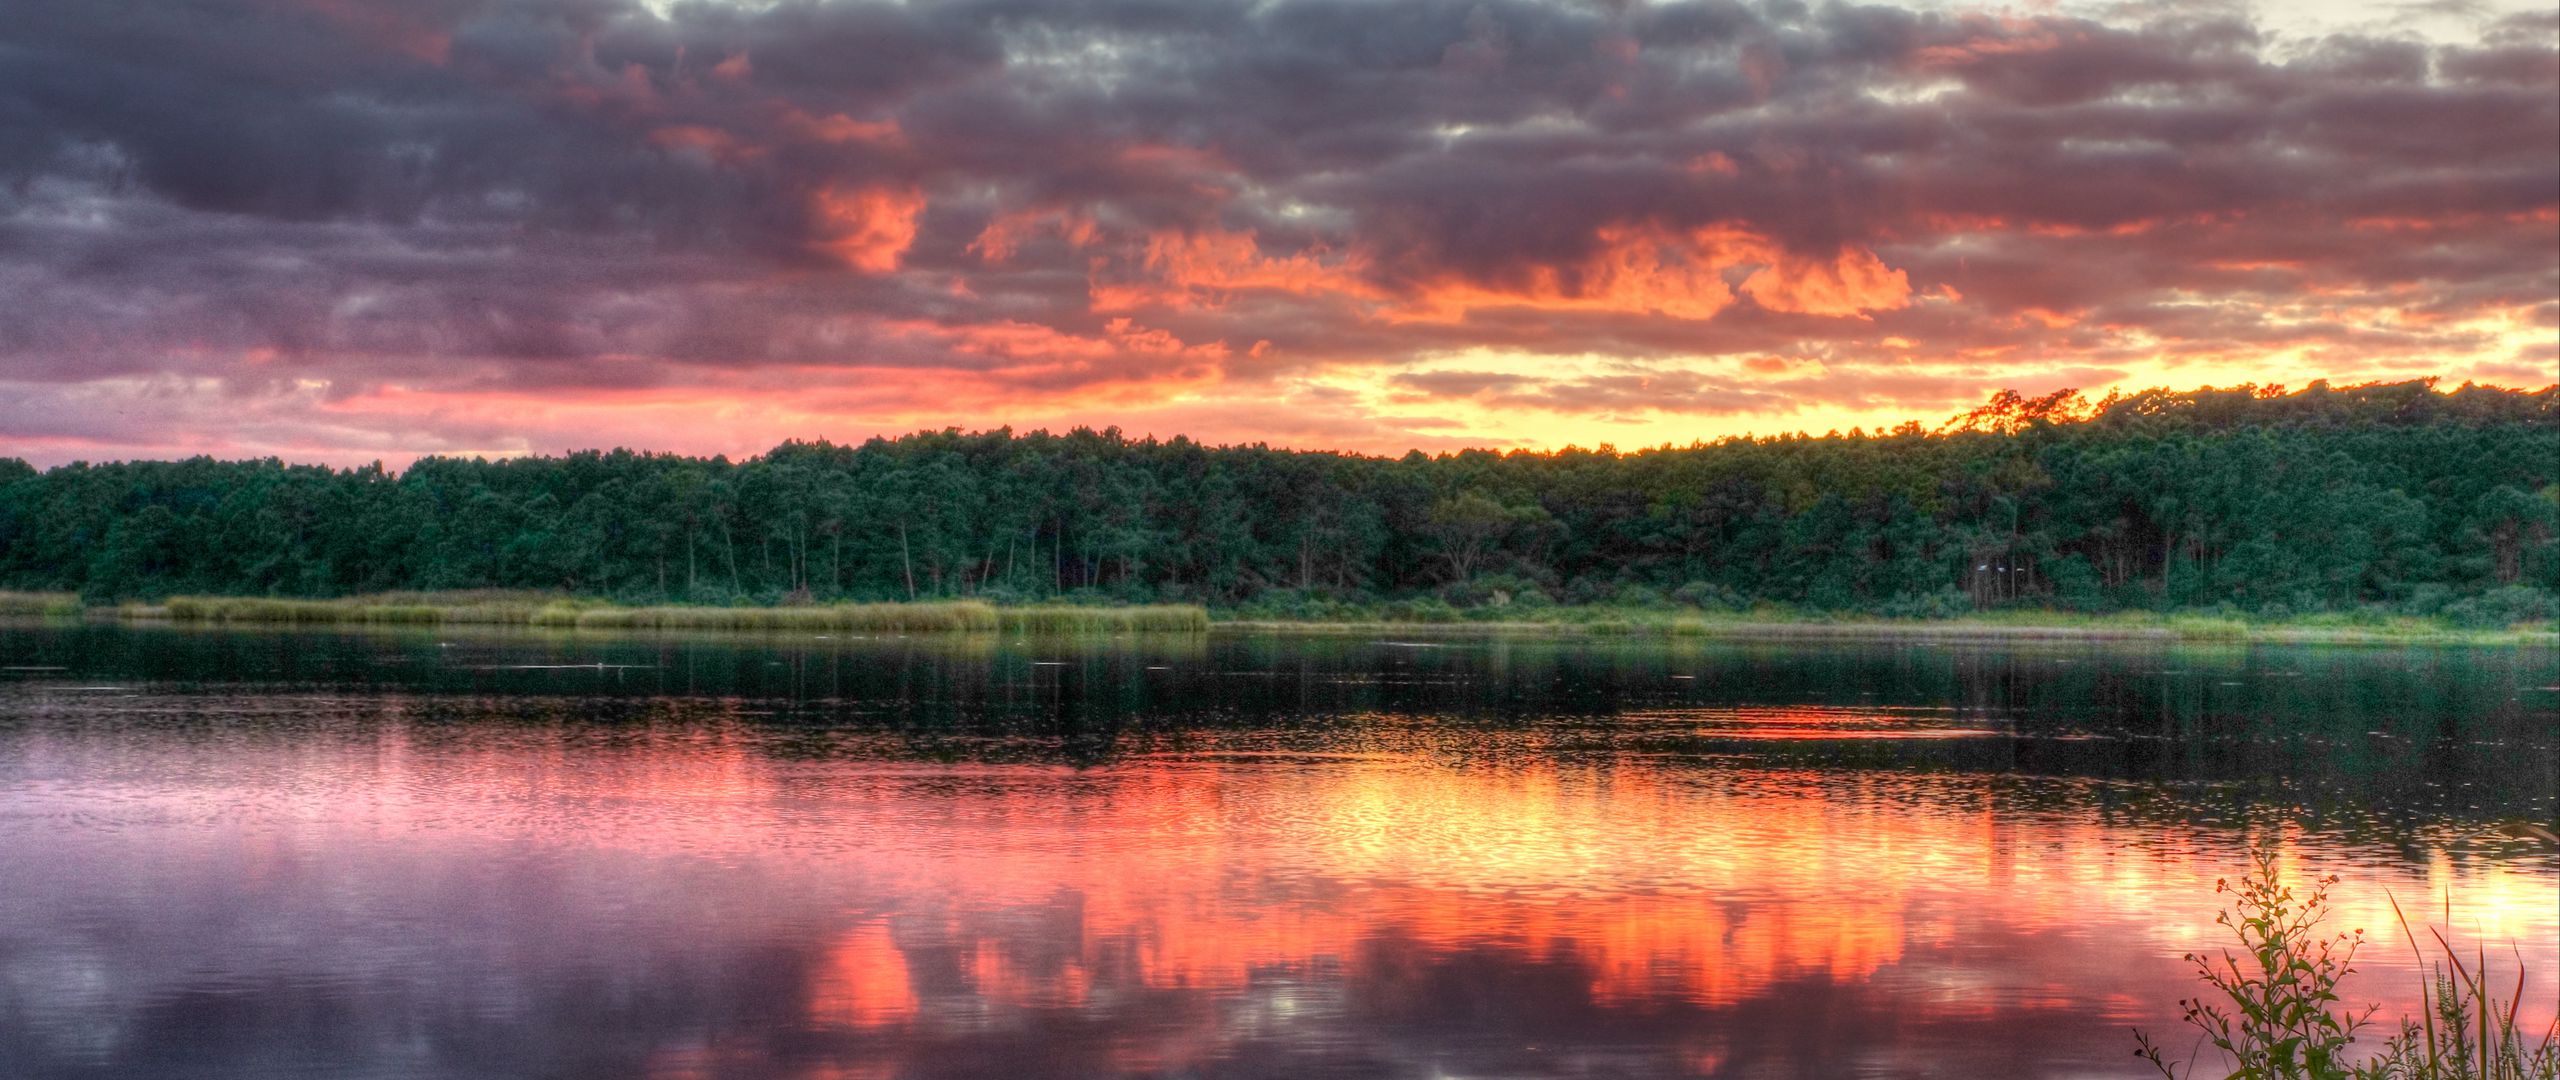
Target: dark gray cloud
{"type": "Point", "coordinates": [572, 195]}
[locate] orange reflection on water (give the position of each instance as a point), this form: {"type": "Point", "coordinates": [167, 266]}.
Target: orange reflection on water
{"type": "Point", "coordinates": [1305, 884]}
{"type": "Point", "coordinates": [1815, 722]}
{"type": "Point", "coordinates": [1653, 884]}
{"type": "Point", "coordinates": [863, 981]}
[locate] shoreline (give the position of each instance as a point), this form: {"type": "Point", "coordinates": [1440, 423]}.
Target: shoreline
{"type": "Point", "coordinates": [2038, 626]}
{"type": "Point", "coordinates": [542, 612]}
{"type": "Point", "coordinates": [1802, 629]}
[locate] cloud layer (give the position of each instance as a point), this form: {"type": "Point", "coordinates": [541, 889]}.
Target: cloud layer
{"type": "Point", "coordinates": [343, 229]}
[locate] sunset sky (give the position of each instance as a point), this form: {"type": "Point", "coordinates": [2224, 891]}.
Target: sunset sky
{"type": "Point", "coordinates": [347, 230]}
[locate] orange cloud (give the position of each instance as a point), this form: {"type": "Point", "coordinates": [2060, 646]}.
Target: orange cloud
{"type": "Point", "coordinates": [1196, 269]}
{"type": "Point", "coordinates": [1004, 233]}
{"type": "Point", "coordinates": [1016, 358]}
{"type": "Point", "coordinates": [1714, 163]}
{"type": "Point", "coordinates": [869, 228]}
{"type": "Point", "coordinates": [1635, 271]}
{"type": "Point", "coordinates": [1653, 271]}
{"type": "Point", "coordinates": [1032, 341]}
{"type": "Point", "coordinates": [1853, 284]}
{"type": "Point", "coordinates": [1932, 224]}
{"type": "Point", "coordinates": [2046, 318]}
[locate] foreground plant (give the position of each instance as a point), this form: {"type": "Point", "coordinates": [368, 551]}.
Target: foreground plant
{"type": "Point", "coordinates": [2275, 1014]}
{"type": "Point", "coordinates": [2275, 1011]}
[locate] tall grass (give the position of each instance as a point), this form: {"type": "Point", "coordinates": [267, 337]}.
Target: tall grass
{"type": "Point", "coordinates": [1061, 619]}
{"type": "Point", "coordinates": [2207, 628]}
{"type": "Point", "coordinates": [497, 607]}
{"type": "Point", "coordinates": [39, 603]}
{"type": "Point", "coordinates": [1771, 621]}
{"type": "Point", "coordinates": [956, 616]}
{"type": "Point", "coordinates": [962, 616]}
{"type": "Point", "coordinates": [2464, 1031]}
{"type": "Point", "coordinates": [520, 609]}
{"type": "Point", "coordinates": [2275, 1010]}
{"type": "Point", "coordinates": [421, 609]}
{"type": "Point", "coordinates": [260, 610]}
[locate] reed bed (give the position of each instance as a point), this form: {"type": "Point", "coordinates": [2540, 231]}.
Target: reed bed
{"type": "Point", "coordinates": [2196, 630]}
{"type": "Point", "coordinates": [491, 607]}
{"type": "Point", "coordinates": [39, 603]}
{"type": "Point", "coordinates": [961, 616]}
{"type": "Point", "coordinates": [1149, 619]}
{"type": "Point", "coordinates": [414, 609]}
{"type": "Point", "coordinates": [2207, 628]}
{"type": "Point", "coordinates": [260, 610]}
{"type": "Point", "coordinates": [945, 617]}
{"type": "Point", "coordinates": [932, 617]}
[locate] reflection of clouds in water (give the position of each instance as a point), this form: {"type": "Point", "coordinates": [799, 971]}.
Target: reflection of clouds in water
{"type": "Point", "coordinates": [1799, 722]}
{"type": "Point", "coordinates": [708, 912]}
{"type": "Point", "coordinates": [862, 980]}
{"type": "Point", "coordinates": [1561, 867]}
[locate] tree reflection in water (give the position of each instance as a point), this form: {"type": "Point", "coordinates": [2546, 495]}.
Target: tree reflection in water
{"type": "Point", "coordinates": [1268, 859]}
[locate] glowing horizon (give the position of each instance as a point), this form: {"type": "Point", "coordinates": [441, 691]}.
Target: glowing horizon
{"type": "Point", "coordinates": [644, 435]}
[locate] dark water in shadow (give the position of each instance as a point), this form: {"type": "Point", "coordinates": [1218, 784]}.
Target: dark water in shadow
{"type": "Point", "coordinates": [236, 854]}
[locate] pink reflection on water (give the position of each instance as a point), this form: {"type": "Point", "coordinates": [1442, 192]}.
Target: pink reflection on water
{"type": "Point", "coordinates": [1817, 722]}
{"type": "Point", "coordinates": [1186, 909]}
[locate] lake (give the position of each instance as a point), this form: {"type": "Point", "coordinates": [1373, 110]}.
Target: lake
{"type": "Point", "coordinates": [252, 853]}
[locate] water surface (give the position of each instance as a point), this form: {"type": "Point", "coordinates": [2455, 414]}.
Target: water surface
{"type": "Point", "coordinates": [444, 854]}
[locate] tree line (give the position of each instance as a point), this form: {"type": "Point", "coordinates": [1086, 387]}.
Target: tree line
{"type": "Point", "coordinates": [2249, 499]}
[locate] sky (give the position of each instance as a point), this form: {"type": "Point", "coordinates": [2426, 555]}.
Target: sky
{"type": "Point", "coordinates": [354, 230]}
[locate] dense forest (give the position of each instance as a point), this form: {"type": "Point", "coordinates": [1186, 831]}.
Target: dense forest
{"type": "Point", "coordinates": [2250, 500]}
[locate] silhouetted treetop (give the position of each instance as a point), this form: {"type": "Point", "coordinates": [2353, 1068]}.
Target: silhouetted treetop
{"type": "Point", "coordinates": [2257, 498]}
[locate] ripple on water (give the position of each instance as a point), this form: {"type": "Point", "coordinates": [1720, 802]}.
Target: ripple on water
{"type": "Point", "coordinates": [1518, 858]}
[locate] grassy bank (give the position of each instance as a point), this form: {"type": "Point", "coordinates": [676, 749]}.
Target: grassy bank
{"type": "Point", "coordinates": [972, 616]}
{"type": "Point", "coordinates": [961, 616]}
{"type": "Point", "coordinates": [495, 609]}
{"type": "Point", "coordinates": [2022, 625]}
{"type": "Point", "coordinates": [36, 603]}
{"type": "Point", "coordinates": [538, 610]}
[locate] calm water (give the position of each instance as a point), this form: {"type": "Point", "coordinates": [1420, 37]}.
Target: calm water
{"type": "Point", "coordinates": [236, 854]}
